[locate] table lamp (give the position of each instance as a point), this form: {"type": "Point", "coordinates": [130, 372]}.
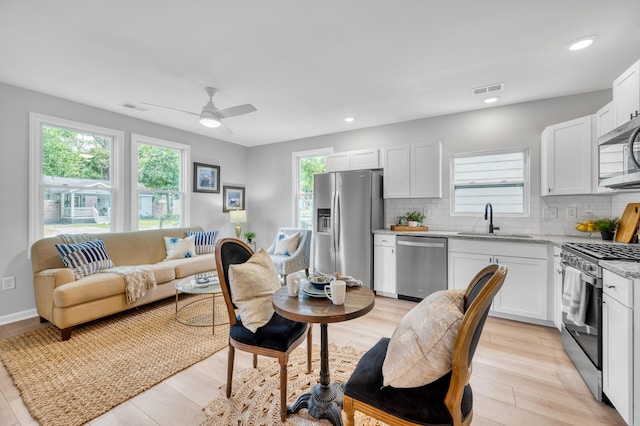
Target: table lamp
{"type": "Point", "coordinates": [237, 216]}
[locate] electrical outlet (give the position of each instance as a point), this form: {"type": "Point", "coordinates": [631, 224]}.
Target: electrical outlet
{"type": "Point", "coordinates": [572, 212]}
{"type": "Point", "coordinates": [8, 283]}
{"type": "Point", "coordinates": [425, 212]}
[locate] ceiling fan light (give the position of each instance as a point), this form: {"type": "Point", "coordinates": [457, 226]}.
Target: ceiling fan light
{"type": "Point", "coordinates": [207, 119]}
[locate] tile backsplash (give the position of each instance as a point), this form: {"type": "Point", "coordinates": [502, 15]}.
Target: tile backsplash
{"type": "Point", "coordinates": [553, 215]}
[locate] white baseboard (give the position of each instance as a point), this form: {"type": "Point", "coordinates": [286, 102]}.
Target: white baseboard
{"type": "Point", "coordinates": [18, 316]}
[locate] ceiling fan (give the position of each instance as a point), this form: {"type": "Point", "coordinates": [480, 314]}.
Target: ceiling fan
{"type": "Point", "coordinates": [210, 116]}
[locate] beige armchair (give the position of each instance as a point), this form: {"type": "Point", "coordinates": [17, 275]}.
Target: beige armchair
{"type": "Point", "coordinates": [298, 260]}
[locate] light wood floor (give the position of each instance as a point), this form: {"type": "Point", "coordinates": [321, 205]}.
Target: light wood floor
{"type": "Point", "coordinates": [521, 376]}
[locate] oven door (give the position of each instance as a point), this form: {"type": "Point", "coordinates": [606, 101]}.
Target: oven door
{"type": "Point", "coordinates": [588, 336]}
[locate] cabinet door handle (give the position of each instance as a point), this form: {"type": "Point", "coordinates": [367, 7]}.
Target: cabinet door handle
{"type": "Point", "coordinates": [610, 286]}
{"type": "Point", "coordinates": [549, 189]}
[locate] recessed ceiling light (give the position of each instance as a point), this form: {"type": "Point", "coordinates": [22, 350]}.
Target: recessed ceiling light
{"type": "Point", "coordinates": [490, 100]}
{"type": "Point", "coordinates": [582, 42]}
{"type": "Point", "coordinates": [349, 119]}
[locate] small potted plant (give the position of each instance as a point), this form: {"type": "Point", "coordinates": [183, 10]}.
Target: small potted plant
{"type": "Point", "coordinates": [607, 227]}
{"type": "Point", "coordinates": [415, 218]}
{"type": "Point", "coordinates": [249, 236]}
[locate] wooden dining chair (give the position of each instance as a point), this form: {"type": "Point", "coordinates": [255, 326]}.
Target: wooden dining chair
{"type": "Point", "coordinates": [447, 400]}
{"type": "Point", "coordinates": [275, 339]}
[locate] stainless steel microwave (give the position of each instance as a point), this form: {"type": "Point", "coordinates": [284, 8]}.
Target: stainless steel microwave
{"type": "Point", "coordinates": [619, 156]}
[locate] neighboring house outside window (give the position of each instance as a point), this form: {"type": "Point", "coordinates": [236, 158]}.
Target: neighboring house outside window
{"type": "Point", "coordinates": [500, 178]}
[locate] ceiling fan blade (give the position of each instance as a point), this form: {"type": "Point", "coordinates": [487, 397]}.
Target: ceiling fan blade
{"type": "Point", "coordinates": [169, 108]}
{"type": "Point", "coordinates": [224, 129]}
{"type": "Point", "coordinates": [237, 110]}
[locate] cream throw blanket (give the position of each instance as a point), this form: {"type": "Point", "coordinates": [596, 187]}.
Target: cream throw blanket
{"type": "Point", "coordinates": [137, 280]}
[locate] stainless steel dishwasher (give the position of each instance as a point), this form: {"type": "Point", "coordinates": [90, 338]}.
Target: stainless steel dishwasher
{"type": "Point", "coordinates": [421, 266]}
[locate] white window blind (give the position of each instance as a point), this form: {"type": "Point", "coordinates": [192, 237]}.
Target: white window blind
{"type": "Point", "coordinates": [499, 178]}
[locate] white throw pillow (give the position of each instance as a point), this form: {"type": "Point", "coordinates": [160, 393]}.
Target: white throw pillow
{"type": "Point", "coordinates": [287, 245]}
{"type": "Point", "coordinates": [421, 347]}
{"type": "Point", "coordinates": [252, 286]}
{"type": "Point", "coordinates": [178, 248]}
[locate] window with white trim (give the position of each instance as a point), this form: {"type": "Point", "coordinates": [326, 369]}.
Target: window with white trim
{"type": "Point", "coordinates": [500, 178]}
{"type": "Point", "coordinates": [304, 165]}
{"type": "Point", "coordinates": [159, 192]}
{"type": "Point", "coordinates": [74, 176]}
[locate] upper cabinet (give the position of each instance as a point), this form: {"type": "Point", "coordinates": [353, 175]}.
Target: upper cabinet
{"type": "Point", "coordinates": [413, 171]}
{"type": "Point", "coordinates": [626, 95]}
{"type": "Point", "coordinates": [353, 160]}
{"type": "Point", "coordinates": [566, 158]}
{"type": "Point", "coordinates": [604, 120]}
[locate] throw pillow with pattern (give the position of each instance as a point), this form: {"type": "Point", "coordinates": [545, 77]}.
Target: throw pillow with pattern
{"type": "Point", "coordinates": [85, 258]}
{"type": "Point", "coordinates": [179, 248]}
{"type": "Point", "coordinates": [205, 241]}
{"type": "Point", "coordinates": [287, 244]}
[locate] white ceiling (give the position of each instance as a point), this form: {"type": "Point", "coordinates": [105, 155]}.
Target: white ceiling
{"type": "Point", "coordinates": [307, 64]}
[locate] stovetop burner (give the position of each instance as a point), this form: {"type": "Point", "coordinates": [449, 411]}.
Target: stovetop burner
{"type": "Point", "coordinates": [627, 252]}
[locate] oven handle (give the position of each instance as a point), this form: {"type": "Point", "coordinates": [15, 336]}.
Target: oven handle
{"type": "Point", "coordinates": [585, 277]}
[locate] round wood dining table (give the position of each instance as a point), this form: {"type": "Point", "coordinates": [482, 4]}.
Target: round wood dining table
{"type": "Point", "coordinates": [325, 398]}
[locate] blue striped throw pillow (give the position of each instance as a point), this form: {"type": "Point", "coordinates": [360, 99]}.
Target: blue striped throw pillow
{"type": "Point", "coordinates": [205, 241]}
{"type": "Point", "coordinates": [85, 258]}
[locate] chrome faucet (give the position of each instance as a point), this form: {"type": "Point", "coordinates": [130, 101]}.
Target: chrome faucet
{"type": "Point", "coordinates": [488, 214]}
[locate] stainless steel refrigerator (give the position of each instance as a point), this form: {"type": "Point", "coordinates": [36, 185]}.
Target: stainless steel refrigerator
{"type": "Point", "coordinates": [347, 207]}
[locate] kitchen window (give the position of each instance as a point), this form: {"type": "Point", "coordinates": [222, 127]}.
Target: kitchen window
{"type": "Point", "coordinates": [499, 177]}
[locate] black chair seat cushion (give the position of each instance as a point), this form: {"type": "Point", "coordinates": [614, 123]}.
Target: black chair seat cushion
{"type": "Point", "coordinates": [423, 405]}
{"type": "Point", "coordinates": [278, 334]}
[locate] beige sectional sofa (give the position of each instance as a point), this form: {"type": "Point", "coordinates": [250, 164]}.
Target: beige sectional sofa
{"type": "Point", "coordinates": [65, 301]}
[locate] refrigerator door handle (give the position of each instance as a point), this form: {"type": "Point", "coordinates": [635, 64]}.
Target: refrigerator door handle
{"type": "Point", "coordinates": [333, 221]}
{"type": "Point", "coordinates": [336, 221]}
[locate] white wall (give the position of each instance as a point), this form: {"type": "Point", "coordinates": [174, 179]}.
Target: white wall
{"type": "Point", "coordinates": [487, 129]}
{"type": "Point", "coordinates": [15, 105]}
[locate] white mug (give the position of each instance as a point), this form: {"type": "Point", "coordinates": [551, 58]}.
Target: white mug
{"type": "Point", "coordinates": [338, 291]}
{"type": "Point", "coordinates": [293, 285]}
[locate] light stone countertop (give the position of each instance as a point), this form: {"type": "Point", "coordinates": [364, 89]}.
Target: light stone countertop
{"type": "Point", "coordinates": [625, 269]}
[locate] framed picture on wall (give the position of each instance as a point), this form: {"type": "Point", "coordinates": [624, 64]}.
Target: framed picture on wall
{"type": "Point", "coordinates": [232, 198]}
{"type": "Point", "coordinates": [206, 178]}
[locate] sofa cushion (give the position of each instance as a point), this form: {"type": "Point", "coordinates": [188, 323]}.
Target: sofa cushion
{"type": "Point", "coordinates": [252, 286]}
{"type": "Point", "coordinates": [180, 248]}
{"type": "Point", "coordinates": [194, 265]}
{"type": "Point", "coordinates": [103, 284]}
{"type": "Point", "coordinates": [205, 241]}
{"type": "Point", "coordinates": [421, 346]}
{"type": "Point", "coordinates": [85, 258]}
{"type": "Point", "coordinates": [285, 244]}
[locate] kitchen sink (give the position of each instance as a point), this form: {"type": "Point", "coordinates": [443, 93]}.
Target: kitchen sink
{"type": "Point", "coordinates": [486, 234]}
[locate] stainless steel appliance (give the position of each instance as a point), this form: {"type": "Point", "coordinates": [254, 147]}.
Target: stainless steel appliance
{"type": "Point", "coordinates": [619, 156]}
{"type": "Point", "coordinates": [348, 207]}
{"type": "Point", "coordinates": [421, 266]}
{"type": "Point", "coordinates": [583, 344]}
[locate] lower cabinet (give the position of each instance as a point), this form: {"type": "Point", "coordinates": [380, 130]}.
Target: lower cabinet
{"type": "Point", "coordinates": [384, 264]}
{"type": "Point", "coordinates": [617, 343]}
{"type": "Point", "coordinates": [524, 292]}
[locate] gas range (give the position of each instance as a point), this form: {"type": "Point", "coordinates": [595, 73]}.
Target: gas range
{"type": "Point", "coordinates": [600, 251]}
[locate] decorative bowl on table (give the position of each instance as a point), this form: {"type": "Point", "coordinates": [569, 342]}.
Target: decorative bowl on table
{"type": "Point", "coordinates": [320, 281]}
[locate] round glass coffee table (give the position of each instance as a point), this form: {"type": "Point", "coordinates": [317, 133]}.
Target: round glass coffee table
{"type": "Point", "coordinates": [192, 313]}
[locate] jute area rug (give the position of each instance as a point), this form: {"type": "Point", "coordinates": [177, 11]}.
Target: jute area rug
{"type": "Point", "coordinates": [107, 361]}
{"type": "Point", "coordinates": [255, 395]}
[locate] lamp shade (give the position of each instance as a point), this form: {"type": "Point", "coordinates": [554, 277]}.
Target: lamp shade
{"type": "Point", "coordinates": [238, 216]}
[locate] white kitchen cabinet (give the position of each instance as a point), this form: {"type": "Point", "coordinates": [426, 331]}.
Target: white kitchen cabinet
{"type": "Point", "coordinates": [566, 158]}
{"type": "Point", "coordinates": [626, 94]}
{"type": "Point", "coordinates": [604, 120]}
{"type": "Point", "coordinates": [426, 170]}
{"type": "Point", "coordinates": [524, 292]}
{"type": "Point", "coordinates": [384, 264]}
{"type": "Point", "coordinates": [413, 171]}
{"type": "Point", "coordinates": [337, 162]}
{"type": "Point", "coordinates": [557, 288]}
{"type": "Point", "coordinates": [617, 343]}
{"type": "Point", "coordinates": [353, 160]}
